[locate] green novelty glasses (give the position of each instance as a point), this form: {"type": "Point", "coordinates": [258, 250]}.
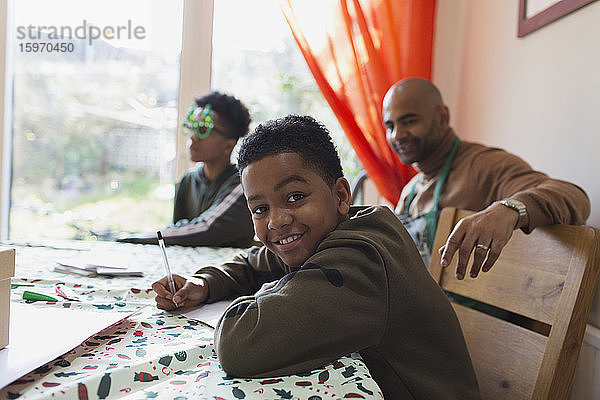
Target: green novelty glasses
{"type": "Point", "coordinates": [198, 122]}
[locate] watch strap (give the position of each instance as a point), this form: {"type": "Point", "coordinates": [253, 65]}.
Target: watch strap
{"type": "Point", "coordinates": [519, 207]}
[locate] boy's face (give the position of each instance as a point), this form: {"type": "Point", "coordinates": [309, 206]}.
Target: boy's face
{"type": "Point", "coordinates": [292, 207]}
{"type": "Point", "coordinates": [213, 148]}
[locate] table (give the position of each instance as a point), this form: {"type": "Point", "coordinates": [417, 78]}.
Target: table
{"type": "Point", "coordinates": [152, 353]}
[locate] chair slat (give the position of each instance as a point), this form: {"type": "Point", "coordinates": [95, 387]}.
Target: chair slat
{"type": "Point", "coordinates": [533, 295]}
{"type": "Point", "coordinates": [506, 357]}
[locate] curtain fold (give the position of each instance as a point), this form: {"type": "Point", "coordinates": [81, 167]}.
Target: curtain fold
{"type": "Point", "coordinates": [356, 50]}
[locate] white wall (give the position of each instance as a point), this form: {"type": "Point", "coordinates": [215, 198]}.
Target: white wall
{"type": "Point", "coordinates": [536, 96]}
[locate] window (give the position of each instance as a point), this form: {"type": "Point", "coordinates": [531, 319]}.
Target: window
{"type": "Point", "coordinates": [256, 59]}
{"type": "Point", "coordinates": [94, 116]}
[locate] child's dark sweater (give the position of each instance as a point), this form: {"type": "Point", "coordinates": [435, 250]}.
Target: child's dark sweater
{"type": "Point", "coordinates": [364, 289]}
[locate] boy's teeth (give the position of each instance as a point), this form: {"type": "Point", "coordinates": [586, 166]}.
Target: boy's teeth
{"type": "Point", "coordinates": [289, 239]}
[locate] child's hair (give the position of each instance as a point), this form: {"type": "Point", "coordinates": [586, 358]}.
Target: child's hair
{"type": "Point", "coordinates": [302, 135]}
{"type": "Point", "coordinates": [231, 109]}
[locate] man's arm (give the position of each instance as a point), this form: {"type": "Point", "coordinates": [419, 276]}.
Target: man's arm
{"type": "Point", "coordinates": [547, 201]}
{"type": "Point", "coordinates": [333, 305]}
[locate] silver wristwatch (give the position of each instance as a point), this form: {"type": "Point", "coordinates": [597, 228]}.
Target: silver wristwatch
{"type": "Point", "coordinates": [518, 207]}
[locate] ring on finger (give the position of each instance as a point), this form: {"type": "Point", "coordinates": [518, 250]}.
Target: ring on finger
{"type": "Point", "coordinates": [482, 247]}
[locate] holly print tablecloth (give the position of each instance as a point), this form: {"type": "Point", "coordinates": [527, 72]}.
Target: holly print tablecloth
{"type": "Point", "coordinates": [152, 354]}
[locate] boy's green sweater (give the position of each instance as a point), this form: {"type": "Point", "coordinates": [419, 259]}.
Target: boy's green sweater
{"type": "Point", "coordinates": [364, 289]}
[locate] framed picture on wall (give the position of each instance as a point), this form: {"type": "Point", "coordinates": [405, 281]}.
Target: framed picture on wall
{"type": "Point", "coordinates": [534, 14]}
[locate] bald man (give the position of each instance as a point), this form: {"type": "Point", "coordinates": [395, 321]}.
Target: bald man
{"type": "Point", "coordinates": [503, 188]}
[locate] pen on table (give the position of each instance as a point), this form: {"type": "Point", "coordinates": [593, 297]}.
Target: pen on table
{"type": "Point", "coordinates": [161, 243]}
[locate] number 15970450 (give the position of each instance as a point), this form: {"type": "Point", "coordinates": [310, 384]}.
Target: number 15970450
{"type": "Point", "coordinates": [46, 47]}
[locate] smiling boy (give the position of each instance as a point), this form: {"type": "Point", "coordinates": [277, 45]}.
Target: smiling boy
{"type": "Point", "coordinates": [330, 279]}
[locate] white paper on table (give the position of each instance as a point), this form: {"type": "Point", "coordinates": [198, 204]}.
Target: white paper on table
{"type": "Point", "coordinates": [39, 335]}
{"type": "Point", "coordinates": [208, 313]}
{"type": "Point", "coordinates": [99, 262]}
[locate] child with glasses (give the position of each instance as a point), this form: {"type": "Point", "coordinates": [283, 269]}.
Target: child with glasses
{"type": "Point", "coordinates": [210, 208]}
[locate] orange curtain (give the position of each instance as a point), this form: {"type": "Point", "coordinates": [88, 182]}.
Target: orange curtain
{"type": "Point", "coordinates": [355, 56]}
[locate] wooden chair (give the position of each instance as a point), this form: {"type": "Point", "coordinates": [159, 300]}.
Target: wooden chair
{"type": "Point", "coordinates": [548, 276]}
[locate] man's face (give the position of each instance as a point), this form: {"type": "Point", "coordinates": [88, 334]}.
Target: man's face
{"type": "Point", "coordinates": [213, 147]}
{"type": "Point", "coordinates": [413, 127]}
{"type": "Point", "coordinates": [292, 207]}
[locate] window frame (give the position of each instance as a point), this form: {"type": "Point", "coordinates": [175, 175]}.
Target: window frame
{"type": "Point", "coordinates": [194, 79]}
{"type": "Point", "coordinates": [5, 123]}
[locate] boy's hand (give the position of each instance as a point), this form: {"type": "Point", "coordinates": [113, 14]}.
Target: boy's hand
{"type": "Point", "coordinates": [190, 292]}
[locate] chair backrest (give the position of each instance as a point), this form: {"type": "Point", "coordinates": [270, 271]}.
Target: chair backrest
{"type": "Point", "coordinates": [364, 192]}
{"type": "Point", "coordinates": [548, 276]}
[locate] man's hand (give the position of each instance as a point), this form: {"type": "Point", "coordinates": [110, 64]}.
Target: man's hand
{"type": "Point", "coordinates": [483, 233]}
{"type": "Point", "coordinates": [190, 292]}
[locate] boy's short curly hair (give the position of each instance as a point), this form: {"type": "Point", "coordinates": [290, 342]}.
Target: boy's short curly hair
{"type": "Point", "coordinates": [302, 135]}
{"type": "Point", "coordinates": [231, 109]}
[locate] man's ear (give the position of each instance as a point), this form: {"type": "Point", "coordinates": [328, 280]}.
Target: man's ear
{"type": "Point", "coordinates": [444, 117]}
{"type": "Point", "coordinates": [341, 191]}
